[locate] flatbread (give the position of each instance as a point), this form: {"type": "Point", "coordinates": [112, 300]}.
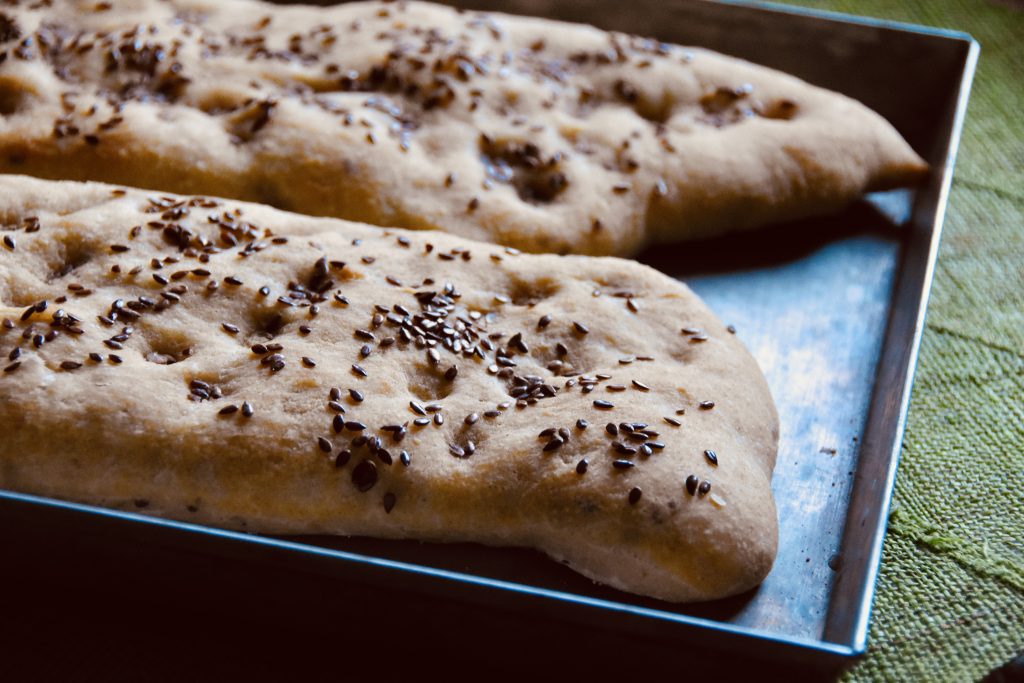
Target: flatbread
{"type": "Point", "coordinates": [545, 136]}
{"type": "Point", "coordinates": [196, 359]}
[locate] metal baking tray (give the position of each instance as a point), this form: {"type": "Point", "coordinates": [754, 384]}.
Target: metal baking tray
{"type": "Point", "coordinates": [832, 309]}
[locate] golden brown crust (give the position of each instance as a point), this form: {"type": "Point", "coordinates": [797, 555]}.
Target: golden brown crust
{"type": "Point", "coordinates": [148, 430]}
{"type": "Point", "coordinates": [532, 133]}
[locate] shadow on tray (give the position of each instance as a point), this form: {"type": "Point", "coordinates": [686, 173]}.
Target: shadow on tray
{"type": "Point", "coordinates": [880, 215]}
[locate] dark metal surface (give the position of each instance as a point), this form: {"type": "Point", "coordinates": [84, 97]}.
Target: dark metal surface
{"type": "Point", "coordinates": [831, 308]}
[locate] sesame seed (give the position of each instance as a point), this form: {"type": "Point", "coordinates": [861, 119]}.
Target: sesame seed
{"type": "Point", "coordinates": [247, 409]}
{"type": "Point", "coordinates": [711, 456]}
{"type": "Point", "coordinates": [704, 487]}
{"type": "Point", "coordinates": [691, 484]}
{"type": "Point", "coordinates": [582, 424]}
{"type": "Point", "coordinates": [335, 406]}
{"type": "Point", "coordinates": [13, 366]}
{"type": "Point", "coordinates": [544, 321]}
{"type": "Point", "coordinates": [228, 410]}
{"type": "Point", "coordinates": [356, 395]}
{"type": "Point", "coordinates": [672, 421]}
{"type": "Point", "coordinates": [604, 405]}
{"type": "Point", "coordinates": [70, 365]}
{"type": "Point", "coordinates": [308, 362]}
{"type": "Point", "coordinates": [632, 305]}
{"type": "Point", "coordinates": [581, 466]}
{"type": "Point", "coordinates": [325, 445]}
{"type": "Point", "coordinates": [451, 373]}
{"type": "Point", "coordinates": [358, 369]}
{"type": "Point", "coordinates": [229, 328]}
{"type": "Point", "coordinates": [405, 458]}
{"type": "Point", "coordinates": [338, 424]}
{"type": "Point", "coordinates": [707, 405]}
{"type": "Point", "coordinates": [342, 458]}
{"type": "Point", "coordinates": [9, 242]}
{"type": "Point", "coordinates": [364, 476]}
{"type": "Point", "coordinates": [580, 327]}
{"type": "Point", "coordinates": [471, 419]}
{"type": "Point", "coordinates": [623, 464]}
{"type": "Point", "coordinates": [640, 385]}
{"type": "Point", "coordinates": [554, 444]}
{"type": "Point", "coordinates": [355, 426]}
{"type": "Point", "coordinates": [634, 495]}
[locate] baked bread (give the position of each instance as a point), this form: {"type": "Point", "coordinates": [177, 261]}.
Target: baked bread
{"type": "Point", "coordinates": [238, 366]}
{"type": "Point", "coordinates": [526, 132]}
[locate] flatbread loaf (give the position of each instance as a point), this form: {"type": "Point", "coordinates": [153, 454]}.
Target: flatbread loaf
{"type": "Point", "coordinates": [546, 136]}
{"type": "Point", "coordinates": [238, 366]}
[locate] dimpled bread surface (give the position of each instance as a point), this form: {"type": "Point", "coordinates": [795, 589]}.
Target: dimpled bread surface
{"type": "Point", "coordinates": [239, 366]}
{"type": "Point", "coordinates": [541, 135]}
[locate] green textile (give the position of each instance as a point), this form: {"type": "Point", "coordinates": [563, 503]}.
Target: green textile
{"type": "Point", "coordinates": [950, 600]}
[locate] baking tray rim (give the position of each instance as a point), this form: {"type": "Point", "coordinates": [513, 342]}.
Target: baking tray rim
{"type": "Point", "coordinates": [843, 17]}
{"type": "Point", "coordinates": [861, 622]}
{"type": "Point", "coordinates": [437, 573]}
{"type": "Point", "coordinates": [856, 646]}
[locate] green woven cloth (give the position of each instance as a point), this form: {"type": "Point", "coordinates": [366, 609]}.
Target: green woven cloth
{"type": "Point", "coordinates": [950, 600]}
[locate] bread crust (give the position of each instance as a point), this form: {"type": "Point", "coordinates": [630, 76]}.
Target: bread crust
{"type": "Point", "coordinates": [151, 430]}
{"type": "Point", "coordinates": [542, 135]}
